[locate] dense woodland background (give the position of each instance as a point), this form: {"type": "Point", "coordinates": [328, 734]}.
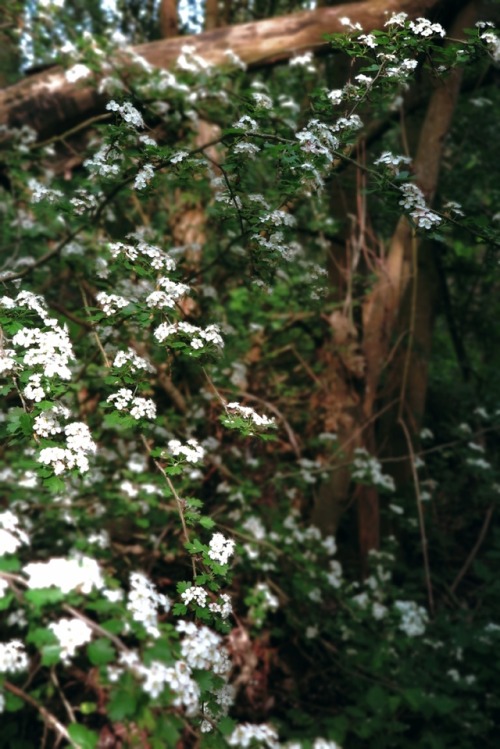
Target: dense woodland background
{"type": "Point", "coordinates": [372, 342]}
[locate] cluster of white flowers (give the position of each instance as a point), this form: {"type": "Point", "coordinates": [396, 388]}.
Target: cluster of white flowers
{"type": "Point", "coordinates": [369, 40]}
{"type": "Point", "coordinates": [157, 676]}
{"type": "Point", "coordinates": [11, 535]}
{"type": "Point", "coordinates": [334, 574]}
{"type": "Point", "coordinates": [492, 41]}
{"type": "Point", "coordinates": [195, 593]}
{"type": "Point", "coordinates": [132, 360]}
{"type": "Point", "coordinates": [245, 123]}
{"type": "Point", "coordinates": [189, 61]}
{"type": "Point", "coordinates": [423, 27]}
{"type": "Point", "coordinates": [72, 634]}
{"type": "Point", "coordinates": [413, 201]}
{"type": "Point", "coordinates": [144, 176]}
{"type": "Point", "coordinates": [245, 734]}
{"type": "Point", "coordinates": [77, 72]}
{"type": "Point", "coordinates": [192, 451]}
{"type": "Point", "coordinates": [255, 527]}
{"type": "Point", "coordinates": [40, 192]}
{"type": "Point", "coordinates": [170, 292]}
{"type": "Point", "coordinates": [367, 469]}
{"type": "Point", "coordinates": [223, 606]}
{"type": "Point", "coordinates": [345, 21]}
{"type": "Point", "coordinates": [221, 548]}
{"type": "Point", "coordinates": [234, 59]}
{"type": "Point", "coordinates": [248, 413]}
{"type": "Point", "coordinates": [249, 149]}
{"type": "Point", "coordinates": [304, 60]}
{"type": "Point", "coordinates": [144, 601]}
{"type": "Point", "coordinates": [111, 303]}
{"type": "Point", "coordinates": [79, 444]}
{"type": "Point", "coordinates": [81, 574]}
{"type": "Point", "coordinates": [50, 350]}
{"type": "Point", "coordinates": [178, 678]}
{"type": "Point", "coordinates": [156, 257]}
{"type": "Point", "coordinates": [414, 618]}
{"type": "Point", "coordinates": [199, 336]}
{"type": "Point", "coordinates": [47, 423]}
{"type": "Point", "coordinates": [202, 649]}
{"type": "Point", "coordinates": [105, 162]}
{"type": "Point", "coordinates": [127, 112]}
{"type": "Point", "coordinates": [399, 69]}
{"type": "Point", "coordinates": [267, 600]}
{"type": "Point", "coordinates": [13, 657]}
{"type": "Point", "coordinates": [279, 218]}
{"type": "Point", "coordinates": [138, 407]}
{"type": "Point", "coordinates": [262, 100]}
{"type": "Point", "coordinates": [397, 19]}
{"type": "Point", "coordinates": [318, 138]}
{"type": "Point", "coordinates": [391, 161]}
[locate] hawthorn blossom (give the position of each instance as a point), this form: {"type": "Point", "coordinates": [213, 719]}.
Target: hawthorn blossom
{"type": "Point", "coordinates": [245, 734]}
{"type": "Point", "coordinates": [192, 451]}
{"type": "Point", "coordinates": [414, 618]}
{"type": "Point", "coordinates": [202, 648]}
{"type": "Point", "coordinates": [82, 574]}
{"type": "Point", "coordinates": [138, 407]}
{"type": "Point", "coordinates": [51, 350]}
{"type": "Point", "coordinates": [144, 601]}
{"type": "Point", "coordinates": [127, 112]}
{"type": "Point", "coordinates": [199, 336]}
{"type": "Point", "coordinates": [220, 548]}
{"type": "Point", "coordinates": [423, 27]}
{"type": "Point", "coordinates": [111, 303]}
{"type": "Point", "coordinates": [223, 606]}
{"type": "Point", "coordinates": [144, 177]}
{"type": "Point", "coordinates": [248, 413]}
{"type": "Point", "coordinates": [13, 657]}
{"type": "Point", "coordinates": [195, 593]}
{"type": "Point", "coordinates": [132, 360]}
{"type": "Point", "coordinates": [11, 535]}
{"type": "Point", "coordinates": [72, 634]}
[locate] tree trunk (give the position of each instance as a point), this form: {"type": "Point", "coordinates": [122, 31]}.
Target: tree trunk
{"type": "Point", "coordinates": [51, 104]}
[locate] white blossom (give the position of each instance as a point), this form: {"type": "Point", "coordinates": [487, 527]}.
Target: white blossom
{"type": "Point", "coordinates": [246, 733]}
{"type": "Point", "coordinates": [82, 574]}
{"type": "Point", "coordinates": [13, 657]}
{"type": "Point", "coordinates": [11, 535]}
{"type": "Point", "coordinates": [248, 413]}
{"type": "Point", "coordinates": [72, 634]}
{"type": "Point", "coordinates": [220, 548]}
{"type": "Point", "coordinates": [414, 618]}
{"type": "Point", "coordinates": [144, 601]}
{"type": "Point", "coordinates": [423, 27]}
{"type": "Point", "coordinates": [127, 112]}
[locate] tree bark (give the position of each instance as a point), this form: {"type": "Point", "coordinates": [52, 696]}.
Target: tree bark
{"type": "Point", "coordinates": [51, 104]}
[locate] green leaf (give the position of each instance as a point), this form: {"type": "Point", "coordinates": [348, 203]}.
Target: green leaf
{"type": "Point", "coordinates": [44, 596]}
{"type": "Point", "coordinates": [101, 651]}
{"type": "Point", "coordinates": [226, 726]}
{"type": "Point", "coordinates": [123, 704]}
{"type": "Point", "coordinates": [82, 736]}
{"type": "Point", "coordinates": [51, 654]}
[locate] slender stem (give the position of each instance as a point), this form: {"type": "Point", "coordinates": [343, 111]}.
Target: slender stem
{"type": "Point", "coordinates": [423, 536]}
{"type": "Point", "coordinates": [475, 548]}
{"type": "Point", "coordinates": [49, 719]}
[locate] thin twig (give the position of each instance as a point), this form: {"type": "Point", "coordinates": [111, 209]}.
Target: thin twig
{"type": "Point", "coordinates": [475, 548]}
{"type": "Point", "coordinates": [423, 536]}
{"type": "Point", "coordinates": [48, 718]}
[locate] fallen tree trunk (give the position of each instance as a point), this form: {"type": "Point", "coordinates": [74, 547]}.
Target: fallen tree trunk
{"type": "Point", "coordinates": [51, 104]}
